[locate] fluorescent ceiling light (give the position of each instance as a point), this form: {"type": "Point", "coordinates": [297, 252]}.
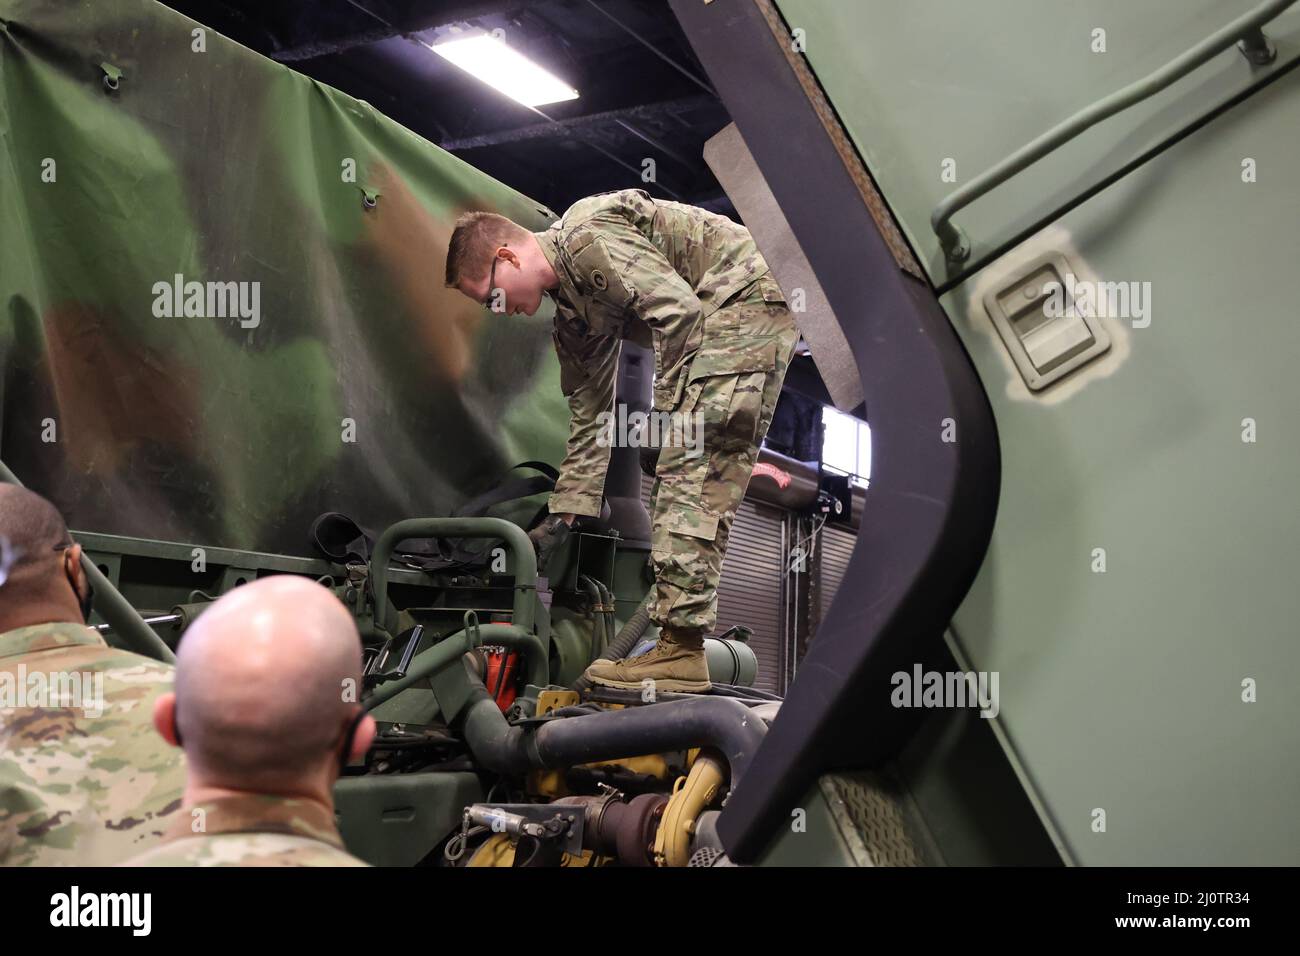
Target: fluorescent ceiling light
{"type": "Point", "coordinates": [504, 69]}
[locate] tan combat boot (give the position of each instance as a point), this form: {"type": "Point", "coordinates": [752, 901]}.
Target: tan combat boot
{"type": "Point", "coordinates": [676, 664]}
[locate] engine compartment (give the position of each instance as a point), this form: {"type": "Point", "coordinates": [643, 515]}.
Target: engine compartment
{"type": "Point", "coordinates": [491, 750]}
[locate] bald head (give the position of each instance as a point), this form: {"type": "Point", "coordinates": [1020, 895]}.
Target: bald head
{"type": "Point", "coordinates": [41, 580]}
{"type": "Point", "coordinates": [266, 685]}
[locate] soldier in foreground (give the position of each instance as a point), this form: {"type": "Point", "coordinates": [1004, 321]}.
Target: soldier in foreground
{"type": "Point", "coordinates": [84, 779]}
{"type": "Point", "coordinates": [692, 285]}
{"type": "Point", "coordinates": [266, 681]}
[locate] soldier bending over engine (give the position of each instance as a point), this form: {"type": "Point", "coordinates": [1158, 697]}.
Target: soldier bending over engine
{"type": "Point", "coordinates": [692, 284]}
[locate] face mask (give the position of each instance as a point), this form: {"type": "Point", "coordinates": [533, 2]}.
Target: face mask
{"type": "Point", "coordinates": [347, 740]}
{"type": "Point", "coordinates": [87, 600]}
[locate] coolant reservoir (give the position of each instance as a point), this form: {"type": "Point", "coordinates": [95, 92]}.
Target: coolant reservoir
{"type": "Point", "coordinates": [730, 662]}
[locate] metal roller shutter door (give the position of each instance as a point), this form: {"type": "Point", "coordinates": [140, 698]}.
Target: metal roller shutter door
{"type": "Point", "coordinates": [836, 546]}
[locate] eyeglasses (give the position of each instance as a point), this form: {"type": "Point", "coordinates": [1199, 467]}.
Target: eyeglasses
{"type": "Point", "coordinates": [492, 282]}
{"type": "Point", "coordinates": [492, 277]}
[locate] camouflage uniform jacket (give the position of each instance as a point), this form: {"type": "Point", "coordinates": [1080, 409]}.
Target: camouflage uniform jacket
{"type": "Point", "coordinates": [251, 830]}
{"type": "Point", "coordinates": [647, 270]}
{"type": "Point", "coordinates": [84, 780]}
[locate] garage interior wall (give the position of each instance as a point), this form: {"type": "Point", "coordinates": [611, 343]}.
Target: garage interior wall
{"type": "Point", "coordinates": [767, 589]}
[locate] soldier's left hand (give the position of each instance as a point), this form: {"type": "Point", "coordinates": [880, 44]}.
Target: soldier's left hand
{"type": "Point", "coordinates": [548, 537]}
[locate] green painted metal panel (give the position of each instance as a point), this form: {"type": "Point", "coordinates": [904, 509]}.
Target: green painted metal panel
{"type": "Point", "coordinates": [813, 838]}
{"type": "Point", "coordinates": [920, 83]}
{"type": "Point", "coordinates": [398, 819]}
{"type": "Point", "coordinates": [1122, 690]}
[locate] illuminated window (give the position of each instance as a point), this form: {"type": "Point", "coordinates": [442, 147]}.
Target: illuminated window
{"type": "Point", "coordinates": [846, 447]}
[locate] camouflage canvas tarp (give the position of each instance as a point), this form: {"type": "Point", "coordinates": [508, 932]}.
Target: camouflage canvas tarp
{"type": "Point", "coordinates": [207, 333]}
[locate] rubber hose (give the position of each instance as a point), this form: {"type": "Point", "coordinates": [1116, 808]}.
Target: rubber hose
{"type": "Point", "coordinates": [719, 722]}
{"type": "Point", "coordinates": [618, 648]}
{"type": "Point", "coordinates": [600, 633]}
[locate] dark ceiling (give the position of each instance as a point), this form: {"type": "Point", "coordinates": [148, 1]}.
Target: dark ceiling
{"type": "Point", "coordinates": [642, 94]}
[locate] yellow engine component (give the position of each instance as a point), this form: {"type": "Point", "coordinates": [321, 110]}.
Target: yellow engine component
{"type": "Point", "coordinates": [547, 783]}
{"type": "Point", "coordinates": [549, 700]}
{"type": "Point", "coordinates": [691, 794]}
{"type": "Point", "coordinates": [550, 783]}
{"type": "Point", "coordinates": [497, 850]}
{"type": "Point", "coordinates": [650, 765]}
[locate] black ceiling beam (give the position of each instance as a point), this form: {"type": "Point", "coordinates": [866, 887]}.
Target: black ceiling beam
{"type": "Point", "coordinates": [419, 15]}
{"type": "Point", "coordinates": [653, 49]}
{"type": "Point", "coordinates": [576, 126]}
{"type": "Point", "coordinates": [230, 20]}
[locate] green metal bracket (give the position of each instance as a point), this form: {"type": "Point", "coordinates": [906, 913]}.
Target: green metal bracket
{"type": "Point", "coordinates": [525, 561]}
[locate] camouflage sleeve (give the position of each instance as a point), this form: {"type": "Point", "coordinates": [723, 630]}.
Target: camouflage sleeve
{"type": "Point", "coordinates": [588, 370]}
{"type": "Point", "coordinates": [639, 277]}
{"type": "Point", "coordinates": [93, 783]}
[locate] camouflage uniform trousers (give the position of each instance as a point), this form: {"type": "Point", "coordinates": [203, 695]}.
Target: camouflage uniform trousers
{"type": "Point", "coordinates": [733, 382]}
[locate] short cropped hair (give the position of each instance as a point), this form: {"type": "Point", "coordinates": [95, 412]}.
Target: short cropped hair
{"type": "Point", "coordinates": [475, 238]}
{"type": "Point", "coordinates": [31, 531]}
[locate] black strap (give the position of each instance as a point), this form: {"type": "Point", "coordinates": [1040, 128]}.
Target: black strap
{"type": "Point", "coordinates": [343, 540]}
{"type": "Point", "coordinates": [513, 489]}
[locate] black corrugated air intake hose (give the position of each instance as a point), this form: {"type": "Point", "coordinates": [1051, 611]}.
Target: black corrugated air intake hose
{"type": "Point", "coordinates": [618, 648]}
